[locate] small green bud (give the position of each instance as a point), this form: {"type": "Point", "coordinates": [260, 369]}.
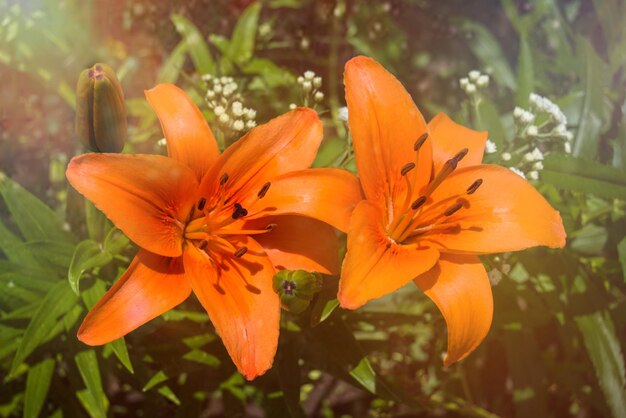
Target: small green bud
{"type": "Point", "coordinates": [100, 110]}
{"type": "Point", "coordinates": [296, 288]}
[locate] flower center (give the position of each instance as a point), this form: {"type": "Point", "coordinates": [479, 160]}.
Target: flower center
{"type": "Point", "coordinates": [215, 221]}
{"type": "Point", "coordinates": [420, 215]}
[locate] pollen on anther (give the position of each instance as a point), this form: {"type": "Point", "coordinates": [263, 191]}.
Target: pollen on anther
{"type": "Point", "coordinates": [407, 168]}
{"type": "Point", "coordinates": [453, 209]}
{"type": "Point", "coordinates": [201, 203]}
{"type": "Point", "coordinates": [461, 154]}
{"type": "Point", "coordinates": [420, 141]}
{"type": "Point", "coordinates": [223, 179]}
{"type": "Point", "coordinates": [474, 186]}
{"type": "Point", "coordinates": [241, 251]}
{"type": "Point", "coordinates": [203, 244]}
{"type": "Point", "coordinates": [264, 190]}
{"type": "Point", "coordinates": [418, 202]}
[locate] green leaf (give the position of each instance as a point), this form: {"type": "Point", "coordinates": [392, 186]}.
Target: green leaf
{"type": "Point", "coordinates": [488, 119]}
{"type": "Point", "coordinates": [170, 70]}
{"type": "Point", "coordinates": [115, 242]}
{"type": "Point", "coordinates": [96, 221]}
{"type": "Point", "coordinates": [55, 253]}
{"type": "Point", "coordinates": [202, 357]}
{"type": "Point", "coordinates": [621, 250]}
{"type": "Point", "coordinates": [197, 46]}
{"type": "Point", "coordinates": [159, 377]}
{"type": "Point", "coordinates": [37, 385]}
{"type": "Point", "coordinates": [244, 35]}
{"type": "Point", "coordinates": [87, 363]}
{"type": "Point", "coordinates": [606, 355]}
{"type": "Point", "coordinates": [167, 393]}
{"type": "Point", "coordinates": [58, 301]}
{"type": "Point", "coordinates": [488, 51]}
{"type": "Point", "coordinates": [87, 255]}
{"type": "Point", "coordinates": [590, 240]}
{"type": "Point", "coordinates": [11, 246]}
{"type": "Point", "coordinates": [35, 220]}
{"type": "Point", "coordinates": [525, 73]}
{"type": "Point", "coordinates": [577, 174]}
{"type": "Point", "coordinates": [590, 124]}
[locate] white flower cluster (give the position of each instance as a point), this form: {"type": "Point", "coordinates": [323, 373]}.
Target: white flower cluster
{"type": "Point", "coordinates": [474, 81]}
{"type": "Point", "coordinates": [224, 99]}
{"type": "Point", "coordinates": [311, 88]}
{"type": "Point", "coordinates": [490, 147]}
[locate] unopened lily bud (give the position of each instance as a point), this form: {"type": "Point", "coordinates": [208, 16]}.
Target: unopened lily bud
{"type": "Point", "coordinates": [296, 289]}
{"type": "Point", "coordinates": [100, 110]}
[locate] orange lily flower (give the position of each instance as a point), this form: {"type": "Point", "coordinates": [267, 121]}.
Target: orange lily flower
{"type": "Point", "coordinates": [217, 225]}
{"type": "Point", "coordinates": [431, 208]}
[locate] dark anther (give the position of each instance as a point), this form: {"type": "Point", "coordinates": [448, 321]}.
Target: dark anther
{"type": "Point", "coordinates": [219, 289]}
{"type": "Point", "coordinates": [461, 154]}
{"type": "Point", "coordinates": [270, 227]}
{"type": "Point", "coordinates": [420, 141]}
{"type": "Point", "coordinates": [203, 244]}
{"type": "Point", "coordinates": [201, 203]}
{"type": "Point", "coordinates": [418, 202]}
{"type": "Point", "coordinates": [223, 179]}
{"type": "Point", "coordinates": [406, 168]}
{"type": "Point", "coordinates": [452, 163]}
{"type": "Point", "coordinates": [474, 186]}
{"type": "Point", "coordinates": [289, 287]}
{"type": "Point", "coordinates": [239, 211]}
{"type": "Point", "coordinates": [453, 209]}
{"type": "Point", "coordinates": [264, 190]}
{"type": "Point", "coordinates": [241, 251]}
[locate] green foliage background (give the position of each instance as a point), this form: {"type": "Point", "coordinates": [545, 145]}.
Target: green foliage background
{"type": "Point", "coordinates": [556, 344]}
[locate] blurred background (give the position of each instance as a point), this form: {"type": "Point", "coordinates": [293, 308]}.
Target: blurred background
{"type": "Point", "coordinates": [546, 78]}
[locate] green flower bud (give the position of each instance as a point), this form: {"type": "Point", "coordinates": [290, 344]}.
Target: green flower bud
{"type": "Point", "coordinates": [296, 288]}
{"type": "Point", "coordinates": [100, 110]}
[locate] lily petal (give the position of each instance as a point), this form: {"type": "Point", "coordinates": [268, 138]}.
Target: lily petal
{"type": "Point", "coordinates": [460, 288]}
{"type": "Point", "coordinates": [243, 307]}
{"type": "Point", "coordinates": [298, 243]}
{"type": "Point", "coordinates": [506, 213]}
{"type": "Point", "coordinates": [151, 285]}
{"type": "Point", "coordinates": [385, 124]}
{"type": "Point", "coordinates": [286, 143]}
{"type": "Point", "coordinates": [189, 138]}
{"type": "Point", "coordinates": [449, 138]}
{"type": "Point", "coordinates": [326, 194]}
{"type": "Point", "coordinates": [146, 196]}
{"type": "Point", "coordinates": [373, 265]}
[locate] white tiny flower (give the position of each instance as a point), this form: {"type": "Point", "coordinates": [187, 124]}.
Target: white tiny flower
{"type": "Point", "coordinates": [474, 75]}
{"type": "Point", "coordinates": [343, 113]}
{"type": "Point", "coordinates": [518, 172]}
{"type": "Point", "coordinates": [224, 118]}
{"type": "Point", "coordinates": [292, 106]}
{"type": "Point", "coordinates": [161, 142]}
{"type": "Point", "coordinates": [483, 81]}
{"type": "Point", "coordinates": [224, 79]}
{"type": "Point", "coordinates": [319, 96]}
{"type": "Point", "coordinates": [533, 175]}
{"type": "Point", "coordinates": [309, 75]}
{"type": "Point", "coordinates": [250, 124]}
{"type": "Point", "coordinates": [506, 156]}
{"type": "Point", "coordinates": [237, 108]}
{"type": "Point", "coordinates": [518, 112]}
{"type": "Point", "coordinates": [567, 147]}
{"type": "Point", "coordinates": [470, 88]}
{"type": "Point", "coordinates": [238, 125]}
{"type": "Point", "coordinates": [219, 110]}
{"type": "Point", "coordinates": [568, 136]}
{"type": "Point", "coordinates": [527, 117]}
{"type": "Point", "coordinates": [210, 94]}
{"type": "Point", "coordinates": [464, 82]}
{"type": "Point", "coordinates": [490, 147]}
{"type": "Point", "coordinates": [207, 77]}
{"type": "Point", "coordinates": [317, 82]}
{"type": "Point", "coordinates": [307, 85]}
{"type": "Point", "coordinates": [538, 165]}
{"type": "Point", "coordinates": [300, 79]}
{"type": "Point", "coordinates": [529, 157]}
{"type": "Point", "coordinates": [217, 88]}
{"type": "Point", "coordinates": [537, 154]}
{"type": "Point", "coordinates": [534, 98]}
{"type": "Point", "coordinates": [532, 130]}
{"type": "Point", "coordinates": [251, 113]}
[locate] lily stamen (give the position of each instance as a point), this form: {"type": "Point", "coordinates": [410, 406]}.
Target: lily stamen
{"type": "Point", "coordinates": [264, 190]}
{"type": "Point", "coordinates": [201, 204]}
{"type": "Point", "coordinates": [240, 252]}
{"type": "Point", "coordinates": [474, 186]}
